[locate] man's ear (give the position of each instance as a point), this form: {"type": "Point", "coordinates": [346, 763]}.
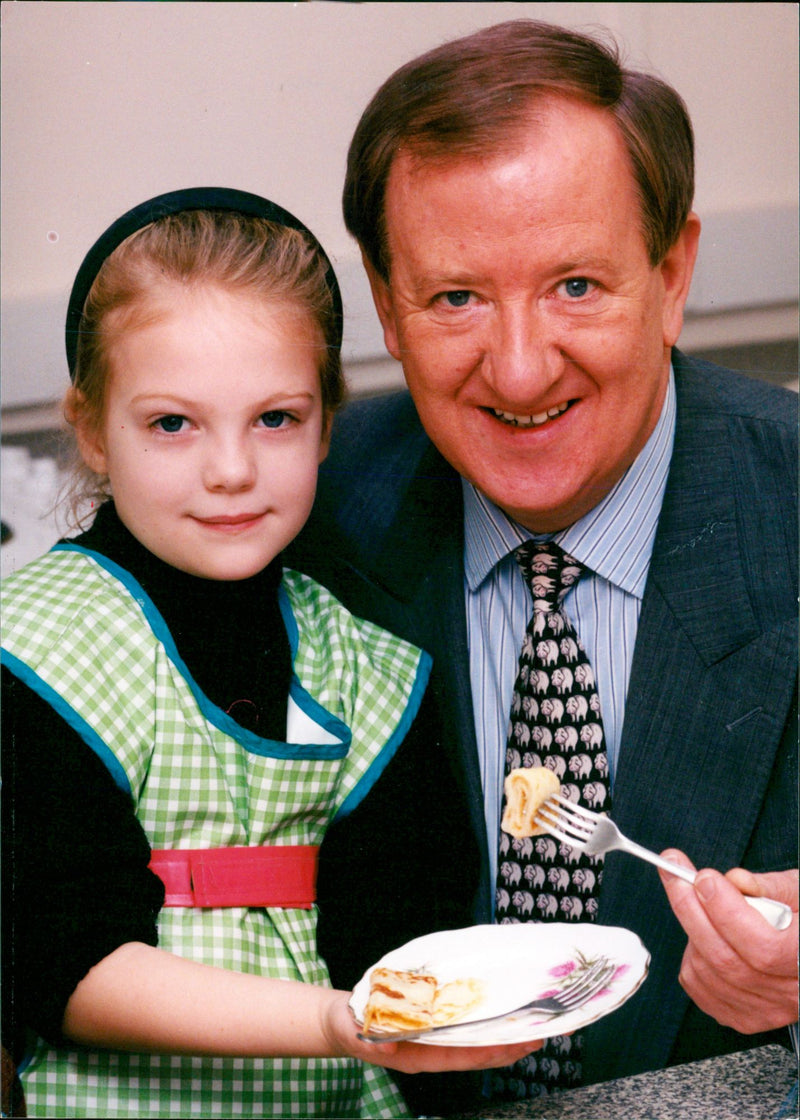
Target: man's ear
{"type": "Point", "coordinates": [677, 269]}
{"type": "Point", "coordinates": [384, 305]}
{"type": "Point", "coordinates": [88, 433]}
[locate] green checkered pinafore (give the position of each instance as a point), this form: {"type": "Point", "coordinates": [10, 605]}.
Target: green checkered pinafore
{"type": "Point", "coordinates": [83, 634]}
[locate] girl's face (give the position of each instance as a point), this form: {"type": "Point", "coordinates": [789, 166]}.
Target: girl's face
{"type": "Point", "coordinates": [213, 430]}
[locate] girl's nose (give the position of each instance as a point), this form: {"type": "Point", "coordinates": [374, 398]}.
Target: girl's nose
{"type": "Point", "coordinates": [229, 466]}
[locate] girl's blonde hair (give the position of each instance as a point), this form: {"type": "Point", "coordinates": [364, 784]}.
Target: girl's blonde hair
{"type": "Point", "coordinates": [234, 251]}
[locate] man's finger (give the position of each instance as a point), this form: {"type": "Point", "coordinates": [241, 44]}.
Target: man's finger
{"type": "Point", "coordinates": [783, 886]}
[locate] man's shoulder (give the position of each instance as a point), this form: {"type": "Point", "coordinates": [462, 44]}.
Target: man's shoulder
{"type": "Point", "coordinates": [380, 458]}
{"type": "Point", "coordinates": [735, 459]}
{"type": "Point", "coordinates": [389, 406]}
{"type": "Point", "coordinates": [704, 386]}
{"type": "Point", "coordinates": [376, 448]}
{"type": "Point", "coordinates": [376, 429]}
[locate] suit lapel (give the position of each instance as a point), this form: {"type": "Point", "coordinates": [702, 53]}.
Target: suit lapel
{"type": "Point", "coordinates": [410, 541]}
{"type": "Point", "coordinates": [451, 678]}
{"type": "Point", "coordinates": [695, 628]}
{"type": "Point", "coordinates": [424, 549]}
{"type": "Point", "coordinates": [703, 690]}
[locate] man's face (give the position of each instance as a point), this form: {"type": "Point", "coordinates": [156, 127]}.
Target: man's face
{"type": "Point", "coordinates": [533, 331]}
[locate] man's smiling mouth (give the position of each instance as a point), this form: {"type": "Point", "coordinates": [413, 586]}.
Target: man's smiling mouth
{"type": "Point", "coordinates": [520, 420]}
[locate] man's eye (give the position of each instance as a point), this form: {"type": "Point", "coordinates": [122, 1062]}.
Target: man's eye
{"type": "Point", "coordinates": [274, 419]}
{"type": "Point", "coordinates": [576, 287]}
{"type": "Point", "coordinates": [457, 299]}
{"type": "Point", "coordinates": [170, 424]}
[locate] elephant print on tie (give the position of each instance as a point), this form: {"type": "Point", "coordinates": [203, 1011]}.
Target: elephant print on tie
{"type": "Point", "coordinates": [555, 722]}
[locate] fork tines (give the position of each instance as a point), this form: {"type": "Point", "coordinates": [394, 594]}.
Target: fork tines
{"type": "Point", "coordinates": [588, 815]}
{"type": "Point", "coordinates": [564, 816]}
{"type": "Point", "coordinates": [591, 982]}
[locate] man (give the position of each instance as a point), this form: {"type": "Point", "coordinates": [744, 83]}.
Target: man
{"type": "Point", "coordinates": [523, 206]}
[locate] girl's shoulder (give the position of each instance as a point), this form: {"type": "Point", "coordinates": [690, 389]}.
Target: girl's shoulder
{"type": "Point", "coordinates": [319, 614]}
{"type": "Point", "coordinates": [59, 575]}
{"type": "Point", "coordinates": [63, 595]}
{"type": "Point", "coordinates": [368, 675]}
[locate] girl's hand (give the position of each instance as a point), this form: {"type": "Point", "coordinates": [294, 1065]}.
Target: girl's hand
{"type": "Point", "coordinates": [143, 998]}
{"type": "Point", "coordinates": [413, 1057]}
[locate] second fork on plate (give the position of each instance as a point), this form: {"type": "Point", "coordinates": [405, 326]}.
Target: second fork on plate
{"type": "Point", "coordinates": [573, 995]}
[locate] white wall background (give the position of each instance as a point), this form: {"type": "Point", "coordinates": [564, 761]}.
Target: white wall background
{"type": "Point", "coordinates": [105, 104]}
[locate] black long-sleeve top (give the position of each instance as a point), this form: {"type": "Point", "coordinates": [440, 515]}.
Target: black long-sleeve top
{"type": "Point", "coordinates": [75, 883]}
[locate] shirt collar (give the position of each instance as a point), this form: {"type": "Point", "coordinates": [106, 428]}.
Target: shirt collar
{"type": "Point", "coordinates": [614, 540]}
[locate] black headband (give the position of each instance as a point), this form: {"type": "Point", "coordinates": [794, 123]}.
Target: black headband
{"type": "Point", "coordinates": [193, 198]}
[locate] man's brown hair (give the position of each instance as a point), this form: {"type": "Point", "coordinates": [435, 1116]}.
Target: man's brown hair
{"type": "Point", "coordinates": [472, 96]}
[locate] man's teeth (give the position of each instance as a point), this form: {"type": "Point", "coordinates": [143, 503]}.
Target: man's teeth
{"type": "Point", "coordinates": [522, 421]}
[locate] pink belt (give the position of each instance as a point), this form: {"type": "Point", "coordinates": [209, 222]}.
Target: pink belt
{"type": "Point", "coordinates": [281, 875]}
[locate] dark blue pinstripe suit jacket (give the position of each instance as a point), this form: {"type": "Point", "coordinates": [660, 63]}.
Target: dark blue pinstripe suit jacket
{"type": "Point", "coordinates": [708, 758]}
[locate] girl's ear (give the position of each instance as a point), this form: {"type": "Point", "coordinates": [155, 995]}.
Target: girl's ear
{"type": "Point", "coordinates": [88, 433]}
{"type": "Point", "coordinates": [325, 439]}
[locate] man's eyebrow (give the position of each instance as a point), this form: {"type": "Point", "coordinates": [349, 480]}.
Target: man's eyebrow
{"type": "Point", "coordinates": [452, 278]}
{"type": "Point", "coordinates": [583, 264]}
{"type": "Point", "coordinates": [456, 279]}
{"type": "Point", "coordinates": [444, 281]}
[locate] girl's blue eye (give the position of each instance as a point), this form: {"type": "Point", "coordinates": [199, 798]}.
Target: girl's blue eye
{"type": "Point", "coordinates": [576, 287]}
{"type": "Point", "coordinates": [273, 419]}
{"type": "Point", "coordinates": [170, 424]}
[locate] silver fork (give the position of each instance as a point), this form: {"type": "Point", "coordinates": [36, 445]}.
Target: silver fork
{"type": "Point", "coordinates": [595, 834]}
{"type": "Point", "coordinates": [572, 996]}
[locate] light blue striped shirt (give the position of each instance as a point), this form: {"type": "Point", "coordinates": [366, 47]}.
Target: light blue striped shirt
{"type": "Point", "coordinates": [614, 541]}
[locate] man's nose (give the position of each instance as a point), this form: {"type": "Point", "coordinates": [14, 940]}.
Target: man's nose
{"type": "Point", "coordinates": [230, 464]}
{"type": "Point", "coordinates": [521, 359]}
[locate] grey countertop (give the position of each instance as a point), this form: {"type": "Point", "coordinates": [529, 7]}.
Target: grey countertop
{"type": "Point", "coordinates": [749, 1085]}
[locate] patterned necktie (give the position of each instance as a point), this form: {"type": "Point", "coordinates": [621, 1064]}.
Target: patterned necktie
{"type": "Point", "coordinates": [555, 722]}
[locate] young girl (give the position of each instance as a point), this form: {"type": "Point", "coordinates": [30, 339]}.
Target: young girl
{"type": "Point", "coordinates": [173, 697]}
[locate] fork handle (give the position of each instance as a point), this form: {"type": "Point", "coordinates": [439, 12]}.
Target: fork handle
{"type": "Point", "coordinates": [778, 915]}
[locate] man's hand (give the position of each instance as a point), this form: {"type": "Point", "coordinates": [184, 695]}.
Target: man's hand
{"type": "Point", "coordinates": [736, 967]}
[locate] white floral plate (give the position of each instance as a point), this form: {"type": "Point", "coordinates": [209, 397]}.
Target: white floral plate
{"type": "Point", "coordinates": [517, 963]}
